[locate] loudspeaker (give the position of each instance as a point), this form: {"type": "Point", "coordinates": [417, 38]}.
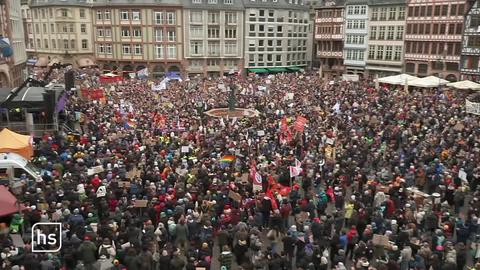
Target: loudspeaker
{"type": "Point", "coordinates": [69, 80]}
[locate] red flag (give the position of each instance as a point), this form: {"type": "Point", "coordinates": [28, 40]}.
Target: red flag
{"type": "Point", "coordinates": [270, 194]}
{"type": "Point", "coordinates": [284, 125]}
{"type": "Point", "coordinates": [294, 171]}
{"type": "Point", "coordinates": [300, 123]}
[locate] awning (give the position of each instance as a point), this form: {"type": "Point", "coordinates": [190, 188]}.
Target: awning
{"type": "Point", "coordinates": [85, 62]}
{"type": "Point", "coordinates": [258, 70]}
{"type": "Point", "coordinates": [294, 68]}
{"type": "Point", "coordinates": [31, 62]}
{"type": "Point", "coordinates": [277, 69]}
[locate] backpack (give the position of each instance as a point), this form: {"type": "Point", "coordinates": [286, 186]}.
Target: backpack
{"type": "Point", "coordinates": [104, 251]}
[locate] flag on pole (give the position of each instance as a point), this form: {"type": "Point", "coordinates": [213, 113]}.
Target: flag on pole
{"type": "Point", "coordinates": [298, 164]}
{"type": "Point", "coordinates": [294, 171]}
{"type": "Point", "coordinates": [300, 123]}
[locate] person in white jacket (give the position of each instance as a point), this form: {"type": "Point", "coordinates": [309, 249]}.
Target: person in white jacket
{"type": "Point", "coordinates": [107, 249]}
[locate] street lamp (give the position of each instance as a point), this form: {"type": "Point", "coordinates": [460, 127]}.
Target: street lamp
{"type": "Point", "coordinates": [440, 62]}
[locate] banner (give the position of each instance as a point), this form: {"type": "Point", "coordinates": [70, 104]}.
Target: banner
{"type": "Point", "coordinates": [256, 178]}
{"type": "Point", "coordinates": [472, 107]}
{"type": "Point", "coordinates": [300, 123]}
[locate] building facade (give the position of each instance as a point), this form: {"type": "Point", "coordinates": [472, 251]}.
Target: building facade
{"type": "Point", "coordinates": [328, 43]}
{"type": "Point", "coordinates": [131, 36]}
{"type": "Point", "coordinates": [433, 39]}
{"type": "Point", "coordinates": [470, 60]}
{"type": "Point", "coordinates": [213, 36]}
{"type": "Point", "coordinates": [385, 37]}
{"type": "Point", "coordinates": [60, 31]}
{"type": "Point", "coordinates": [12, 69]}
{"type": "Point", "coordinates": [277, 35]}
{"type": "Point", "coordinates": [356, 34]}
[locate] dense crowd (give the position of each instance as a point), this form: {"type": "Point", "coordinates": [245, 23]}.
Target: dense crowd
{"type": "Point", "coordinates": [388, 179]}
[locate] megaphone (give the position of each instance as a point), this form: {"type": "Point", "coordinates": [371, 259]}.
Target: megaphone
{"type": "Point", "coordinates": [5, 48]}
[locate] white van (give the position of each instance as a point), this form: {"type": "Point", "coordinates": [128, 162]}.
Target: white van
{"type": "Point", "coordinates": [12, 166]}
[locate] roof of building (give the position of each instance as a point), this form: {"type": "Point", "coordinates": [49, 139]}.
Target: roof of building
{"type": "Point", "coordinates": [356, 2]}
{"type": "Point", "coordinates": [329, 4]}
{"type": "Point", "coordinates": [273, 4]}
{"type": "Point", "coordinates": [386, 2]}
{"type": "Point", "coordinates": [137, 3]}
{"type": "Point", "coordinates": [35, 3]}
{"type": "Point", "coordinates": [219, 5]}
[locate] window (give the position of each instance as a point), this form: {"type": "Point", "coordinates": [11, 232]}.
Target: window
{"type": "Point", "coordinates": [54, 44]}
{"type": "Point", "coordinates": [213, 32]}
{"type": "Point", "coordinates": [197, 1]}
{"type": "Point", "coordinates": [136, 15]}
{"type": "Point", "coordinates": [391, 13]}
{"type": "Point", "coordinates": [212, 1]}
{"type": "Point", "coordinates": [459, 29]}
{"type": "Point", "coordinates": [212, 17]}
{"type": "Point", "coordinates": [350, 10]}
{"type": "Point", "coordinates": [374, 16]}
{"type": "Point", "coordinates": [381, 33]}
{"type": "Point", "coordinates": [137, 32]}
{"type": "Point", "coordinates": [44, 28]}
{"type": "Point", "coordinates": [355, 24]}
{"type": "Point", "coordinates": [108, 48]}
{"type": "Point", "coordinates": [43, 13]}
{"type": "Point", "coordinates": [417, 11]}
{"type": "Point", "coordinates": [231, 48]}
{"type": "Point", "coordinates": [213, 48]}
{"type": "Point", "coordinates": [461, 10]}
{"type": "Point", "coordinates": [371, 52]}
{"type": "Point", "coordinates": [196, 31]}
{"type": "Point", "coordinates": [435, 29]}
{"type": "Point", "coordinates": [196, 17]}
{"type": "Point", "coordinates": [101, 48]}
{"type": "Point", "coordinates": [84, 44]}
{"type": "Point", "coordinates": [137, 49]}
{"type": "Point", "coordinates": [83, 28]}
{"type": "Point", "coordinates": [72, 27]}
{"type": "Point", "coordinates": [108, 32]}
{"type": "Point", "coordinates": [52, 28]}
{"type": "Point", "coordinates": [373, 32]}
{"type": "Point", "coordinates": [65, 28]}
{"type": "Point", "coordinates": [196, 47]}
{"type": "Point", "coordinates": [65, 43]}
{"type": "Point", "coordinates": [72, 44]}
{"type": "Point", "coordinates": [422, 11]}
{"type": "Point", "coordinates": [444, 10]}
{"type": "Point", "coordinates": [363, 10]}
{"type": "Point", "coordinates": [171, 35]}
{"type": "Point", "coordinates": [171, 52]}
{"type": "Point", "coordinates": [37, 28]}
{"type": "Point", "coordinates": [427, 29]}
{"type": "Point", "coordinates": [171, 18]}
{"type": "Point", "coordinates": [379, 52]}
{"type": "Point", "coordinates": [124, 15]}
{"type": "Point", "coordinates": [400, 32]}
{"type": "Point", "coordinates": [126, 49]}
{"type": "Point", "coordinates": [398, 53]}
{"type": "Point", "coordinates": [383, 14]}
{"type": "Point", "coordinates": [45, 42]}
{"type": "Point", "coordinates": [230, 33]}
{"type": "Point", "coordinates": [390, 32]}
{"type": "Point", "coordinates": [473, 41]}
{"type": "Point", "coordinates": [50, 13]}
{"type": "Point", "coordinates": [389, 53]}
{"type": "Point", "coordinates": [349, 24]}
{"type": "Point", "coordinates": [125, 32]}
{"type": "Point", "coordinates": [437, 11]}
{"type": "Point", "coordinates": [159, 35]}
{"type": "Point", "coordinates": [453, 10]}
{"type": "Point", "coordinates": [159, 17]}
{"type": "Point", "coordinates": [230, 17]}
{"type": "Point", "coordinates": [443, 27]}
{"type": "Point", "coordinates": [228, 2]}
{"type": "Point", "coordinates": [212, 62]}
{"type": "Point", "coordinates": [159, 54]}
{"type": "Point", "coordinates": [99, 15]}
{"type": "Point", "coordinates": [451, 29]}
{"type": "Point", "coordinates": [64, 12]}
{"type": "Point", "coordinates": [107, 15]}
{"type": "Point", "coordinates": [82, 13]}
{"type": "Point", "coordinates": [429, 11]}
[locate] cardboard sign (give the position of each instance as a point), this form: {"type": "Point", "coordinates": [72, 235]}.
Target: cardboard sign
{"type": "Point", "coordinates": [261, 133]}
{"type": "Point", "coordinates": [124, 184]}
{"type": "Point", "coordinates": [234, 196]}
{"type": "Point", "coordinates": [380, 240]}
{"type": "Point", "coordinates": [133, 173]}
{"type": "Point", "coordinates": [462, 175]}
{"type": "Point", "coordinates": [185, 149]}
{"type": "Point", "coordinates": [95, 170]}
{"type": "Point", "coordinates": [140, 203]}
{"type": "Point", "coordinates": [42, 206]}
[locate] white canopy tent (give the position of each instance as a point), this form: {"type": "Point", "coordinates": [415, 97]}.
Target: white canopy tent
{"type": "Point", "coordinates": [400, 79]}
{"type": "Point", "coordinates": [428, 82]}
{"type": "Point", "coordinates": [464, 85]}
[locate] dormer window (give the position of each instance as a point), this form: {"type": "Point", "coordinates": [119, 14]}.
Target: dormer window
{"type": "Point", "coordinates": [196, 1]}
{"type": "Point", "coordinates": [228, 2]}
{"type": "Point", "coordinates": [212, 1]}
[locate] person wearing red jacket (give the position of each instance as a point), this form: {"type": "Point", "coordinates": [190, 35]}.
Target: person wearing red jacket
{"type": "Point", "coordinates": [352, 237]}
{"type": "Point", "coordinates": [96, 182]}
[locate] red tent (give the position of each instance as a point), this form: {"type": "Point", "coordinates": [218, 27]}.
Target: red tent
{"type": "Point", "coordinates": [8, 203]}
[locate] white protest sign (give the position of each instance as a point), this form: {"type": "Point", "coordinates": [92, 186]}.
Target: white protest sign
{"type": "Point", "coordinates": [101, 191]}
{"type": "Point", "coordinates": [472, 107]}
{"type": "Point", "coordinates": [185, 149]}
{"type": "Point", "coordinates": [95, 170]}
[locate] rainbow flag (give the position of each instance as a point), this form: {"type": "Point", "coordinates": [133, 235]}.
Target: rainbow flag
{"type": "Point", "coordinates": [131, 124]}
{"type": "Point", "coordinates": [226, 160]}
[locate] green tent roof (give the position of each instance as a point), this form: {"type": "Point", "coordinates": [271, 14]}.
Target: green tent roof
{"type": "Point", "coordinates": [294, 68]}
{"type": "Point", "coordinates": [258, 70]}
{"type": "Point", "coordinates": [277, 69]}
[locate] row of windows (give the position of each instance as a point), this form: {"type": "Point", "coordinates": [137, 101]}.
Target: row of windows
{"type": "Point", "coordinates": [63, 12]}
{"type": "Point", "coordinates": [62, 44]}
{"type": "Point", "coordinates": [355, 39]}
{"type": "Point", "coordinates": [60, 28]}
{"type": "Point", "coordinates": [159, 17]}
{"type": "Point", "coordinates": [386, 32]}
{"type": "Point", "coordinates": [355, 24]}
{"type": "Point", "coordinates": [437, 48]}
{"type": "Point", "coordinates": [337, 29]}
{"type": "Point", "coordinates": [357, 10]}
{"type": "Point", "coordinates": [212, 17]}
{"type": "Point", "coordinates": [387, 53]}
{"type": "Point", "coordinates": [213, 2]}
{"type": "Point", "coordinates": [213, 48]}
{"type": "Point", "coordinates": [170, 51]}
{"type": "Point", "coordinates": [276, 57]}
{"type": "Point", "coordinates": [435, 28]}
{"type": "Point", "coordinates": [438, 10]}
{"type": "Point", "coordinates": [393, 13]}
{"type": "Point", "coordinates": [338, 13]}
{"type": "Point", "coordinates": [270, 43]}
{"type": "Point", "coordinates": [213, 62]}
{"type": "Point", "coordinates": [327, 46]}
{"type": "Point", "coordinates": [357, 55]}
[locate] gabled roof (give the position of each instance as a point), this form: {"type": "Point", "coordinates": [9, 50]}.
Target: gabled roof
{"type": "Point", "coordinates": [220, 5]}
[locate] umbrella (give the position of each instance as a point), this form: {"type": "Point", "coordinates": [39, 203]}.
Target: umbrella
{"type": "Point", "coordinates": [428, 82]}
{"type": "Point", "coordinates": [465, 85]}
{"type": "Point", "coordinates": [9, 203]}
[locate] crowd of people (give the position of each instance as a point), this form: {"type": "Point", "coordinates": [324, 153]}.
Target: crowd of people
{"type": "Point", "coordinates": [389, 179]}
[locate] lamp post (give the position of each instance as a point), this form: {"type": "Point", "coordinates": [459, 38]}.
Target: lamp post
{"type": "Point", "coordinates": [441, 62]}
